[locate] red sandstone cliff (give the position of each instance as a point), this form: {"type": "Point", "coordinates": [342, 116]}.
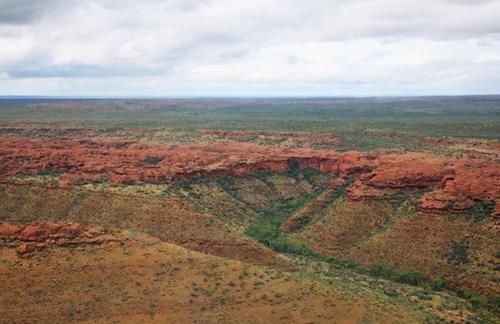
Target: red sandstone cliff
{"type": "Point", "coordinates": [452, 185]}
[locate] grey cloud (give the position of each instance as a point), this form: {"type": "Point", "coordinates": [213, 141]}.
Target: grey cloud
{"type": "Point", "coordinates": [448, 19]}
{"type": "Point", "coordinates": [24, 11]}
{"type": "Point", "coordinates": [83, 71]}
{"type": "Point", "coordinates": [184, 5]}
{"type": "Point", "coordinates": [236, 42]}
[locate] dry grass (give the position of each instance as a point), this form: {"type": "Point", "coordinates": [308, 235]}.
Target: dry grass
{"type": "Point", "coordinates": [147, 280]}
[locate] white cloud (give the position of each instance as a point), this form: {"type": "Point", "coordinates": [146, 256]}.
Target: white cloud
{"type": "Point", "coordinates": [229, 47]}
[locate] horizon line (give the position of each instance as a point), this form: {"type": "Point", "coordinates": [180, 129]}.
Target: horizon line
{"type": "Point", "coordinates": [3, 97]}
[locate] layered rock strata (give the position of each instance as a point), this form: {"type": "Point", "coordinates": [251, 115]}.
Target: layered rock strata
{"type": "Point", "coordinates": [448, 184]}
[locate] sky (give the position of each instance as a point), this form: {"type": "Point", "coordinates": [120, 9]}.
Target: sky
{"type": "Point", "coordinates": [249, 48]}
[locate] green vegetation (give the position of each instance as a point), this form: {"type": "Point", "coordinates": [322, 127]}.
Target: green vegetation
{"type": "Point", "coordinates": [411, 277]}
{"type": "Point", "coordinates": [438, 284]}
{"type": "Point", "coordinates": [264, 176]}
{"type": "Point", "coordinates": [494, 304]}
{"type": "Point", "coordinates": [480, 301]}
{"type": "Point", "coordinates": [340, 193]}
{"type": "Point", "coordinates": [284, 245]}
{"type": "Point", "coordinates": [267, 227]}
{"type": "Point", "coordinates": [128, 182]}
{"type": "Point", "coordinates": [153, 159]}
{"type": "Point", "coordinates": [459, 253]}
{"type": "Point", "coordinates": [361, 123]}
{"type": "Point", "coordinates": [405, 200]}
{"type": "Point", "coordinates": [481, 210]}
{"type": "Point", "coordinates": [267, 230]}
{"type": "Point", "coordinates": [416, 278]}
{"type": "Point", "coordinates": [52, 172]}
{"type": "Point", "coordinates": [228, 184]}
{"type": "Point", "coordinates": [306, 173]}
{"type": "Point", "coordinates": [378, 270]}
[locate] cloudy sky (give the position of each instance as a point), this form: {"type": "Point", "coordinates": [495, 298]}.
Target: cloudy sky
{"type": "Point", "coordinates": [249, 48]}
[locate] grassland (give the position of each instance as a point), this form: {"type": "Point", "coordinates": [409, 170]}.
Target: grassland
{"type": "Point", "coordinates": [398, 122]}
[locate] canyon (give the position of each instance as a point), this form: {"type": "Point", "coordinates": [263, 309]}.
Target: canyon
{"type": "Point", "coordinates": [375, 210]}
{"type": "Point", "coordinates": [449, 184]}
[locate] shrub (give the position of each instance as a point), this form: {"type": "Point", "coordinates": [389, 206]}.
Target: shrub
{"type": "Point", "coordinates": [351, 264]}
{"type": "Point", "coordinates": [424, 295]}
{"type": "Point", "coordinates": [438, 284]}
{"type": "Point", "coordinates": [459, 253]}
{"type": "Point", "coordinates": [410, 277]}
{"type": "Point", "coordinates": [128, 182]}
{"type": "Point", "coordinates": [53, 172]}
{"type": "Point", "coordinates": [228, 184]}
{"type": "Point", "coordinates": [476, 299]}
{"type": "Point", "coordinates": [380, 270]}
{"type": "Point", "coordinates": [306, 173]}
{"type": "Point", "coordinates": [494, 304]}
{"type": "Point", "coordinates": [481, 210]}
{"type": "Point", "coordinates": [284, 245]}
{"type": "Point", "coordinates": [391, 292]}
{"type": "Point", "coordinates": [264, 232]}
{"type": "Point", "coordinates": [153, 159]}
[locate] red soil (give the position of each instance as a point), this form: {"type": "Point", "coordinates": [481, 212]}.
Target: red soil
{"type": "Point", "coordinates": [452, 184]}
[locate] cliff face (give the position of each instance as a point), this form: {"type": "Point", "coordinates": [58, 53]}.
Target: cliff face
{"type": "Point", "coordinates": [449, 185]}
{"type": "Point", "coordinates": [35, 236]}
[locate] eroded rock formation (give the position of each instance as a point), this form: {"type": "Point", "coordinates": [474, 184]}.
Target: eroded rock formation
{"type": "Point", "coordinates": [34, 236]}
{"type": "Point", "coordinates": [449, 184]}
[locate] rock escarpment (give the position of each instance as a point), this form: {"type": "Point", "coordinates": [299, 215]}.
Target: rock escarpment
{"type": "Point", "coordinates": [447, 184]}
{"type": "Point", "coordinates": [38, 235]}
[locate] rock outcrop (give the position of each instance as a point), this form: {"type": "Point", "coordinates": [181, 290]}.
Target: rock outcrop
{"type": "Point", "coordinates": [449, 184]}
{"type": "Point", "coordinates": [34, 236]}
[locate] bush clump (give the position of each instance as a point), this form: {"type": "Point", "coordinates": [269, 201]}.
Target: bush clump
{"type": "Point", "coordinates": [411, 277]}
{"type": "Point", "coordinates": [459, 253]}
{"type": "Point", "coordinates": [481, 210]}
{"type": "Point", "coordinates": [153, 159]}
{"type": "Point", "coordinates": [438, 284]}
{"type": "Point", "coordinates": [266, 228]}
{"type": "Point", "coordinates": [284, 245]}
